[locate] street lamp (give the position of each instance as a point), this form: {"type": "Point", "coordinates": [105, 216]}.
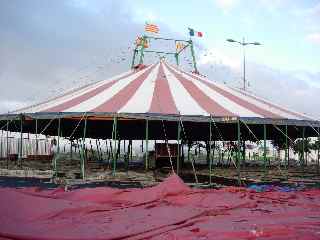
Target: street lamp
{"type": "Point", "coordinates": [243, 44]}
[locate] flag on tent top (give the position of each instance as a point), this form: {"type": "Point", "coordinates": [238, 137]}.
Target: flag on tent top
{"type": "Point", "coordinates": [179, 46]}
{"type": "Point", "coordinates": [140, 41]}
{"type": "Point", "coordinates": [192, 33]}
{"type": "Point", "coordinates": [151, 28]}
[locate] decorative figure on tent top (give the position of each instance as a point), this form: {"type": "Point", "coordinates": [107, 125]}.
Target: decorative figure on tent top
{"type": "Point", "coordinates": [143, 42]}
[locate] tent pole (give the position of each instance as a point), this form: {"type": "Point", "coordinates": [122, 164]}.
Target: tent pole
{"type": "Point", "coordinates": [176, 55]}
{"type": "Point", "coordinates": [265, 149]}
{"type": "Point", "coordinates": [243, 154]}
{"type": "Point", "coordinates": [318, 159]}
{"type": "Point", "coordinates": [1, 145]}
{"type": "Point", "coordinates": [288, 155]}
{"type": "Point", "coordinates": [130, 142]}
{"type": "Point", "coordinates": [144, 39]}
{"type": "Point", "coordinates": [210, 157]}
{"type": "Point", "coordinates": [118, 149]}
{"type": "Point", "coordinates": [114, 138]}
{"type": "Point", "coordinates": [178, 150]}
{"type": "Point", "coordinates": [128, 156]}
{"type": "Point", "coordinates": [303, 146]}
{"type": "Point", "coordinates": [83, 149]}
{"type": "Point", "coordinates": [124, 146]}
{"type": "Point", "coordinates": [58, 148]}
{"type": "Point", "coordinates": [21, 142]}
{"type": "Point", "coordinates": [147, 143]}
{"type": "Point", "coordinates": [193, 56]}
{"type": "Point", "coordinates": [287, 149]}
{"type": "Point", "coordinates": [133, 57]}
{"type": "Point", "coordinates": [239, 152]}
{"type": "Point", "coordinates": [71, 148]}
{"type": "Point", "coordinates": [98, 154]}
{"type": "Point", "coordinates": [100, 151]}
{"type": "Point", "coordinates": [7, 151]}
{"type": "Point", "coordinates": [111, 144]}
{"type": "Point", "coordinates": [142, 150]}
{"type": "Point", "coordinates": [37, 144]}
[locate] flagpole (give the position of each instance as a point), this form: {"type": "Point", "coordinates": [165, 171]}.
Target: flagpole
{"type": "Point", "coordinates": [193, 56]}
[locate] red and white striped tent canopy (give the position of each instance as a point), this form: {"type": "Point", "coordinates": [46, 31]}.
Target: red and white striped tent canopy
{"type": "Point", "coordinates": [164, 89]}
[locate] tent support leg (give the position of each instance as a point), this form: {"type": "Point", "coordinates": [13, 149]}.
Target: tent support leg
{"type": "Point", "coordinates": [239, 152]}
{"type": "Point", "coordinates": [83, 149]}
{"type": "Point", "coordinates": [178, 150]}
{"type": "Point", "coordinates": [7, 151]}
{"type": "Point", "coordinates": [265, 150]}
{"type": "Point", "coordinates": [130, 151]}
{"type": "Point", "coordinates": [71, 149]}
{"type": "Point", "coordinates": [287, 151]}
{"type": "Point", "coordinates": [58, 148]}
{"type": "Point", "coordinates": [114, 138]}
{"type": "Point", "coordinates": [303, 146]}
{"type": "Point", "coordinates": [124, 148]}
{"type": "Point", "coordinates": [147, 145]}
{"type": "Point", "coordinates": [1, 144]}
{"type": "Point", "coordinates": [21, 142]}
{"type": "Point", "coordinates": [37, 142]}
{"type": "Point", "coordinates": [210, 157]}
{"type": "Point", "coordinates": [118, 149]}
{"type": "Point", "coordinates": [318, 157]}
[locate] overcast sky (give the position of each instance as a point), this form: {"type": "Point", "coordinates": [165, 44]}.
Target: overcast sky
{"type": "Point", "coordinates": [47, 46]}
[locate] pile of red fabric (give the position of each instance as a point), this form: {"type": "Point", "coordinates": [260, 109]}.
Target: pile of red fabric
{"type": "Point", "coordinates": [170, 210]}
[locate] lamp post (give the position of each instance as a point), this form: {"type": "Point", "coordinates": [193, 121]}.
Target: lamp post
{"type": "Point", "coordinates": [243, 44]}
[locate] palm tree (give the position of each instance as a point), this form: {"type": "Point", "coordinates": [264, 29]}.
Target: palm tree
{"type": "Point", "coordinates": [316, 148]}
{"type": "Point", "coordinates": [298, 148]}
{"type": "Point", "coordinates": [279, 144]}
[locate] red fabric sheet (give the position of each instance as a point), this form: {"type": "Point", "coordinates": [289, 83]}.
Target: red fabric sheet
{"type": "Point", "coordinates": [170, 210]}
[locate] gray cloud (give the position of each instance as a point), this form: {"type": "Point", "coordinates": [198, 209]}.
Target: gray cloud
{"type": "Point", "coordinates": [50, 46]}
{"type": "Point", "coordinates": [46, 44]}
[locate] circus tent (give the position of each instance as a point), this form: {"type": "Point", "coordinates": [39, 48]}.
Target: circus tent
{"type": "Point", "coordinates": [165, 95]}
{"type": "Point", "coordinates": [164, 89]}
{"type": "Point", "coordinates": [161, 102]}
{"type": "Point", "coordinates": [161, 93]}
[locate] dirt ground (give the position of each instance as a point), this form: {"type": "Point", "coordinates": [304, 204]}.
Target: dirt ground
{"type": "Point", "coordinates": [68, 173]}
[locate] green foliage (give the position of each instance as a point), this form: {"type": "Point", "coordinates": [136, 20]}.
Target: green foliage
{"type": "Point", "coordinates": [316, 145]}
{"type": "Point", "coordinates": [279, 143]}
{"type": "Point", "coordinates": [298, 146]}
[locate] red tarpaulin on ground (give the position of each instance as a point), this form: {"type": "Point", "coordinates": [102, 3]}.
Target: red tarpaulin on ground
{"type": "Point", "coordinates": [170, 210]}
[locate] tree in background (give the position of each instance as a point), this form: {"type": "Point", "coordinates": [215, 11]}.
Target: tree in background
{"type": "Point", "coordinates": [279, 144]}
{"type": "Point", "coordinates": [316, 147]}
{"type": "Point", "coordinates": [298, 149]}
